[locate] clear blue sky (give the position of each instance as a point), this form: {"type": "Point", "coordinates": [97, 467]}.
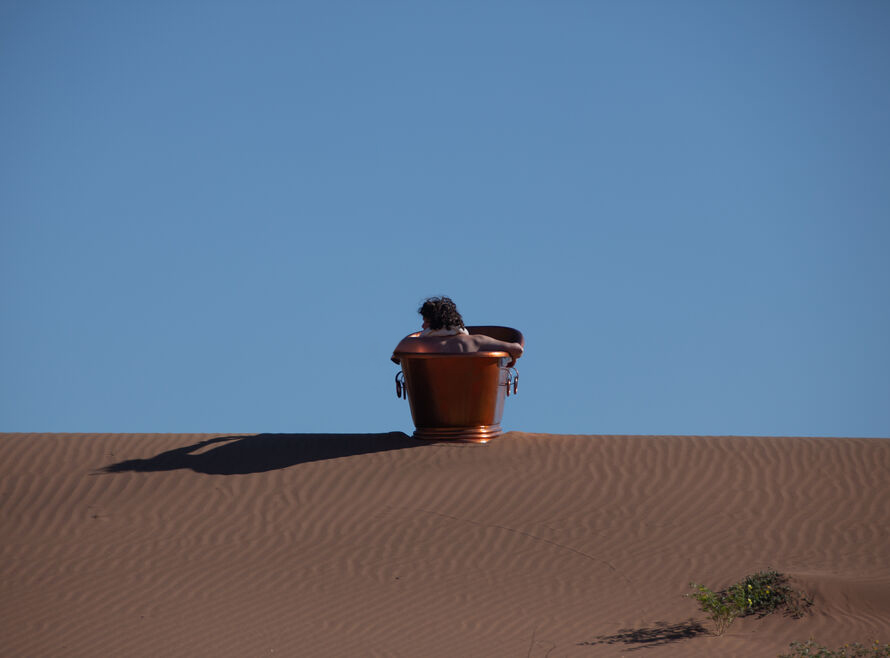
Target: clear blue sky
{"type": "Point", "coordinates": [222, 216]}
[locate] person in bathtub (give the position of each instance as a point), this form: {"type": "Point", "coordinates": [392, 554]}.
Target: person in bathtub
{"type": "Point", "coordinates": [444, 331]}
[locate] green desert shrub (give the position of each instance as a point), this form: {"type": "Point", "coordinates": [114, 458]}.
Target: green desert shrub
{"type": "Point", "coordinates": [720, 607]}
{"type": "Point", "coordinates": [812, 649]}
{"type": "Point", "coordinates": [769, 591]}
{"type": "Point", "coordinates": [759, 594]}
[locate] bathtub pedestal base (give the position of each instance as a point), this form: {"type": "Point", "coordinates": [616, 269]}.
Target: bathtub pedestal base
{"type": "Point", "coordinates": [477, 434]}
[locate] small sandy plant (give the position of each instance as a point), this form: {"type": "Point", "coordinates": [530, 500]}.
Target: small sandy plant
{"type": "Point", "coordinates": [759, 594]}
{"type": "Point", "coordinates": [813, 649]}
{"type": "Point", "coordinates": [720, 607]}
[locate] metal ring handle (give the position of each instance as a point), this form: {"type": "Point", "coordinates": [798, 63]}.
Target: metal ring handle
{"type": "Point", "coordinates": [512, 381]}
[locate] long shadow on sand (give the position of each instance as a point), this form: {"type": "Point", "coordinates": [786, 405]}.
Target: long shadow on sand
{"type": "Point", "coordinates": [258, 453]}
{"type": "Point", "coordinates": [659, 634]}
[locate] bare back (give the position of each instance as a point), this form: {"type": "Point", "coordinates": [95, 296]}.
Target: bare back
{"type": "Point", "coordinates": [463, 344]}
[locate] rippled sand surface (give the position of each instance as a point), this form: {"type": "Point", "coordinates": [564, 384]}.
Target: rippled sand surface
{"type": "Point", "coordinates": [379, 545]}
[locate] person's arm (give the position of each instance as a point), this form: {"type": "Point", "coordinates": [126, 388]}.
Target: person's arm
{"type": "Point", "coordinates": [486, 344]}
{"type": "Point", "coordinates": [515, 352]}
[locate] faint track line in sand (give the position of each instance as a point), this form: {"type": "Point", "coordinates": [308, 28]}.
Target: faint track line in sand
{"type": "Point", "coordinates": [592, 558]}
{"type": "Point", "coordinates": [533, 643]}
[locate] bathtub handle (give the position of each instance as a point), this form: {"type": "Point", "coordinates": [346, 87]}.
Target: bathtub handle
{"type": "Point", "coordinates": [401, 389]}
{"type": "Point", "coordinates": [512, 381]}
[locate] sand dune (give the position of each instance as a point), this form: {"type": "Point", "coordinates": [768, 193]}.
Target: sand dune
{"type": "Point", "coordinates": [378, 545]}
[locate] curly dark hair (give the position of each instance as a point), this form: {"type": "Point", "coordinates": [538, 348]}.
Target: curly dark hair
{"type": "Point", "coordinates": [441, 313]}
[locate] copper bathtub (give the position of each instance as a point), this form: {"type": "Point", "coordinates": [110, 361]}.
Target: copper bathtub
{"type": "Point", "coordinates": [457, 397]}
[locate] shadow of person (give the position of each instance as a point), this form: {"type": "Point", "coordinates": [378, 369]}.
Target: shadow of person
{"type": "Point", "coordinates": [258, 453]}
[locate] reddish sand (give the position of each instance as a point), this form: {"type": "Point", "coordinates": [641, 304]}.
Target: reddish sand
{"type": "Point", "coordinates": [377, 545]}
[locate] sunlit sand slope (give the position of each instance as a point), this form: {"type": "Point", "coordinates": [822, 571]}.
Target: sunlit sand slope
{"type": "Point", "coordinates": [377, 545]}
